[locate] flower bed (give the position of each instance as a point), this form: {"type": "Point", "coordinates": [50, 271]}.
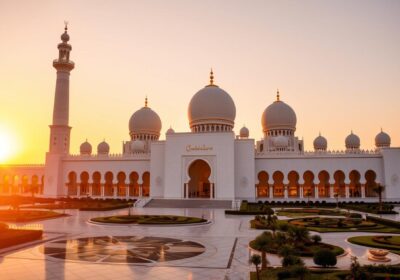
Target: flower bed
{"type": "Point", "coordinates": [12, 237]}
{"type": "Point", "coordinates": [27, 215]}
{"type": "Point", "coordinates": [149, 219]}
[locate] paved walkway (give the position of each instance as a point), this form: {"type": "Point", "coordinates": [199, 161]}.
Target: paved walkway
{"type": "Point", "coordinates": [225, 257]}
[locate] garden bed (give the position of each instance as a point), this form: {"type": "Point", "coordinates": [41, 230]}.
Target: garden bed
{"type": "Point", "coordinates": [149, 220]}
{"type": "Point", "coordinates": [13, 237]}
{"type": "Point", "coordinates": [387, 242]}
{"type": "Point", "coordinates": [297, 212]}
{"type": "Point", "coordinates": [86, 204]}
{"type": "Point", "coordinates": [27, 215]}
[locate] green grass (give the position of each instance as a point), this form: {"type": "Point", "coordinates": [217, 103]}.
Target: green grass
{"type": "Point", "coordinates": [27, 215]}
{"type": "Point", "coordinates": [149, 219]}
{"type": "Point", "coordinates": [301, 212]}
{"type": "Point", "coordinates": [85, 205]}
{"type": "Point", "coordinates": [368, 241]}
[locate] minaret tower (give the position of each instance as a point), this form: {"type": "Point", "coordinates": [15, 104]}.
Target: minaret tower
{"type": "Point", "coordinates": [54, 184]}
{"type": "Point", "coordinates": [59, 129]}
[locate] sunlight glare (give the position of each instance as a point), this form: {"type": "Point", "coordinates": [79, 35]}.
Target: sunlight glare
{"type": "Point", "coordinates": [7, 145]}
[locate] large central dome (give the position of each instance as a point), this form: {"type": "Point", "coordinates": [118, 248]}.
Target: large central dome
{"type": "Point", "coordinates": [211, 109]}
{"type": "Point", "coordinates": [278, 116]}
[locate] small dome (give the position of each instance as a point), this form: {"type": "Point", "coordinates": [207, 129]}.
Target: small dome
{"type": "Point", "coordinates": [281, 141]}
{"type": "Point", "coordinates": [320, 143]}
{"type": "Point", "coordinates": [382, 139]}
{"type": "Point", "coordinates": [278, 115]}
{"type": "Point", "coordinates": [137, 146]}
{"type": "Point", "coordinates": [65, 37]}
{"type": "Point", "coordinates": [352, 141]}
{"type": "Point", "coordinates": [145, 122]}
{"type": "Point", "coordinates": [244, 132]}
{"type": "Point", "coordinates": [211, 105]}
{"type": "Point", "coordinates": [103, 148]}
{"type": "Point", "coordinates": [85, 148]}
{"type": "Point", "coordinates": [170, 131]}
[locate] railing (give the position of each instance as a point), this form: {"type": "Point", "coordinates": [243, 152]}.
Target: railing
{"type": "Point", "coordinates": [330, 153]}
{"type": "Point", "coordinates": [26, 227]}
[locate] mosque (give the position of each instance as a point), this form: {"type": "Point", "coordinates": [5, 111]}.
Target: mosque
{"type": "Point", "coordinates": [209, 162]}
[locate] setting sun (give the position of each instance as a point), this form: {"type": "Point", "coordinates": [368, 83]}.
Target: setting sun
{"type": "Point", "coordinates": [7, 145]}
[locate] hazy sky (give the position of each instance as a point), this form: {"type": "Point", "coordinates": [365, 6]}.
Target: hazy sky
{"type": "Point", "coordinates": [337, 63]}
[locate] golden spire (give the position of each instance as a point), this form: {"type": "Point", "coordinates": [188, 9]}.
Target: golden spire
{"type": "Point", "coordinates": [145, 102]}
{"type": "Point", "coordinates": [211, 77]}
{"type": "Point", "coordinates": [277, 95]}
{"type": "Point", "coordinates": [65, 25]}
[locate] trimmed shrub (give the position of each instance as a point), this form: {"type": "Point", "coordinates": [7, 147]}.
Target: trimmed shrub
{"type": "Point", "coordinates": [325, 258]}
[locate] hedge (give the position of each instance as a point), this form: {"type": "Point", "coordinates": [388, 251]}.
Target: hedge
{"type": "Point", "coordinates": [385, 222]}
{"type": "Point", "coordinates": [12, 237]}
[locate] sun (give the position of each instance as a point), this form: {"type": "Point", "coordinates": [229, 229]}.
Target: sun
{"type": "Point", "coordinates": [7, 146]}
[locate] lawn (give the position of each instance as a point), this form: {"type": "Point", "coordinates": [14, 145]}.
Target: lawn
{"type": "Point", "coordinates": [149, 220]}
{"type": "Point", "coordinates": [27, 215]}
{"type": "Point", "coordinates": [387, 242]}
{"type": "Point", "coordinates": [86, 204]}
{"type": "Point", "coordinates": [272, 274]}
{"type": "Point", "coordinates": [302, 212]}
{"type": "Point", "coordinates": [12, 237]}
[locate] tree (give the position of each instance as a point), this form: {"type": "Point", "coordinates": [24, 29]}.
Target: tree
{"type": "Point", "coordinates": [280, 238]}
{"type": "Point", "coordinates": [325, 258]}
{"type": "Point", "coordinates": [256, 260]}
{"type": "Point", "coordinates": [316, 238]}
{"type": "Point", "coordinates": [285, 251]}
{"type": "Point", "coordinates": [262, 243]}
{"type": "Point", "coordinates": [298, 235]}
{"type": "Point", "coordinates": [291, 260]}
{"type": "Point", "coordinates": [357, 272]}
{"type": "Point", "coordinates": [379, 190]}
{"type": "Point", "coordinates": [300, 271]}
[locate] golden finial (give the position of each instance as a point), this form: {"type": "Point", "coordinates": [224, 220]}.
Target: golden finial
{"type": "Point", "coordinates": [211, 77]}
{"type": "Point", "coordinates": [145, 102]}
{"type": "Point", "coordinates": [277, 95]}
{"type": "Point", "coordinates": [65, 25]}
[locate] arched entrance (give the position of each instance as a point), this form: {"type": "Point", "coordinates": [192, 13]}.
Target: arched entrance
{"type": "Point", "coordinates": [199, 184]}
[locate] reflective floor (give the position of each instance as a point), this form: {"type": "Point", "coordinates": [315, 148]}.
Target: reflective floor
{"type": "Point", "coordinates": [76, 249]}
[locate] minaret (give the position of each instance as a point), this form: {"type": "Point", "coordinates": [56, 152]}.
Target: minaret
{"type": "Point", "coordinates": [59, 129]}
{"type": "Point", "coordinates": [54, 184]}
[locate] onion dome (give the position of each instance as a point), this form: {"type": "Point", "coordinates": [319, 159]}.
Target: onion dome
{"type": "Point", "coordinates": [103, 148]}
{"type": "Point", "coordinates": [281, 141]}
{"type": "Point", "coordinates": [320, 143]}
{"type": "Point", "coordinates": [137, 146]}
{"type": "Point", "coordinates": [85, 148]}
{"type": "Point", "coordinates": [278, 115]}
{"type": "Point", "coordinates": [65, 36]}
{"type": "Point", "coordinates": [145, 124]}
{"type": "Point", "coordinates": [211, 109]}
{"type": "Point", "coordinates": [352, 141]}
{"type": "Point", "coordinates": [382, 139]}
{"type": "Point", "coordinates": [244, 132]}
{"type": "Point", "coordinates": [170, 131]}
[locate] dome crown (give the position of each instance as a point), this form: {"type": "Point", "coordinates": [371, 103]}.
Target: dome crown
{"type": "Point", "coordinates": [170, 131]}
{"type": "Point", "coordinates": [85, 148]}
{"type": "Point", "coordinates": [211, 106]}
{"type": "Point", "coordinates": [145, 122]}
{"type": "Point", "coordinates": [382, 139]}
{"type": "Point", "coordinates": [352, 141]}
{"type": "Point", "coordinates": [278, 115]}
{"type": "Point", "coordinates": [244, 132]}
{"type": "Point", "coordinates": [103, 148]}
{"type": "Point", "coordinates": [320, 143]}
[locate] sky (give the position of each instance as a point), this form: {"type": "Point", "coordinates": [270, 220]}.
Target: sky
{"type": "Point", "coordinates": [336, 63]}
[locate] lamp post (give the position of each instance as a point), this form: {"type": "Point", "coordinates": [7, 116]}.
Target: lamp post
{"type": "Point", "coordinates": [336, 195]}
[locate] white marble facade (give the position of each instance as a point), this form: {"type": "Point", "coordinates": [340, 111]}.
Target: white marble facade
{"type": "Point", "coordinates": [208, 162]}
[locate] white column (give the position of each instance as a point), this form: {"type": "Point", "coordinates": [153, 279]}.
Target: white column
{"type": "Point", "coordinates": [316, 194]}
{"type": "Point", "coordinates": [102, 189]}
{"type": "Point", "coordinates": [187, 190]}
{"type": "Point", "coordinates": [331, 192]}
{"type": "Point", "coordinates": [285, 191]}
{"type": "Point", "coordinates": [271, 191]}
{"type": "Point", "coordinates": [211, 190]}
{"type": "Point", "coordinates": [347, 191]}
{"type": "Point", "coordinates": [78, 190]}
{"type": "Point", "coordinates": [301, 188]}
{"type": "Point", "coordinates": [140, 190]}
{"type": "Point", "coordinates": [126, 191]}
{"type": "Point", "coordinates": [114, 191]}
{"type": "Point", "coordinates": [363, 191]}
{"type": "Point", "coordinates": [90, 190]}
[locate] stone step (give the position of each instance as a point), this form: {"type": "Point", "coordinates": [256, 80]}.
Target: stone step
{"type": "Point", "coordinates": [190, 203]}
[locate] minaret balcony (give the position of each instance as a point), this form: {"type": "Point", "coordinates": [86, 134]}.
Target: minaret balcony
{"type": "Point", "coordinates": [63, 64]}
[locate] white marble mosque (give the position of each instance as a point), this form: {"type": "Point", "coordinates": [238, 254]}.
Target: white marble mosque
{"type": "Point", "coordinates": [210, 161]}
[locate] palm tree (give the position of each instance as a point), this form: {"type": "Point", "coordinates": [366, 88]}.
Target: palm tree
{"type": "Point", "coordinates": [262, 243]}
{"type": "Point", "coordinates": [379, 190]}
{"type": "Point", "coordinates": [299, 235]}
{"type": "Point", "coordinates": [256, 260]}
{"type": "Point", "coordinates": [285, 251]}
